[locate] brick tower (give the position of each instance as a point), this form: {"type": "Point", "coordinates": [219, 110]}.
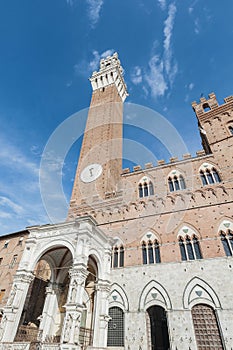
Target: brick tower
{"type": "Point", "coordinates": [100, 162]}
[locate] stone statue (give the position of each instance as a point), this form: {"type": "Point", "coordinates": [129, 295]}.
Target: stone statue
{"type": "Point", "coordinates": [12, 295]}
{"type": "Point", "coordinates": [67, 330]}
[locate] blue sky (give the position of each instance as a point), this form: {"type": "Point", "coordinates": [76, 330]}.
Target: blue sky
{"type": "Point", "coordinates": [171, 51]}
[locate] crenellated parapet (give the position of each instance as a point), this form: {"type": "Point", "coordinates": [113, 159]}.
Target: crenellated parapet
{"type": "Point", "coordinates": [214, 121]}
{"type": "Point", "coordinates": [207, 107]}
{"type": "Point", "coordinates": [162, 162]}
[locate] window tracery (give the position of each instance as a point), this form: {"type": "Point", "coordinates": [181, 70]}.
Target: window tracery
{"type": "Point", "coordinates": [209, 175]}
{"type": "Point", "coordinates": [176, 183]}
{"type": "Point", "coordinates": [118, 256]}
{"type": "Point", "coordinates": [151, 252]}
{"type": "Point", "coordinates": [189, 248]}
{"type": "Point", "coordinates": [145, 187]}
{"type": "Point", "coordinates": [227, 242]}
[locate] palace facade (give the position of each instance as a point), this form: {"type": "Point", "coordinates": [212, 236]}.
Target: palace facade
{"type": "Point", "coordinates": [144, 259]}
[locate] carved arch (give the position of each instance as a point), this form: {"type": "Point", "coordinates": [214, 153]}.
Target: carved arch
{"type": "Point", "coordinates": [154, 294]}
{"type": "Point", "coordinates": [225, 225]}
{"type": "Point", "coordinates": [198, 291]}
{"type": "Point", "coordinates": [44, 248]}
{"type": "Point", "coordinates": [118, 297]}
{"type": "Point", "coordinates": [186, 229]}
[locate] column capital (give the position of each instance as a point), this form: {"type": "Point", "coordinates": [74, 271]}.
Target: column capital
{"type": "Point", "coordinates": [23, 276]}
{"type": "Point", "coordinates": [79, 272]}
{"type": "Point", "coordinates": [103, 286]}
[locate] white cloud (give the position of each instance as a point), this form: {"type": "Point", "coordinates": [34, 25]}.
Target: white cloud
{"type": "Point", "coordinates": [87, 68]}
{"type": "Point", "coordinates": [12, 157]}
{"type": "Point", "coordinates": [197, 27]}
{"type": "Point", "coordinates": [136, 75]}
{"type": "Point", "coordinates": [162, 69]}
{"type": "Point", "coordinates": [190, 10]}
{"type": "Point", "coordinates": [70, 2]}
{"type": "Point", "coordinates": [20, 197]}
{"type": "Point", "coordinates": [4, 215]}
{"type": "Point", "coordinates": [94, 8]}
{"type": "Point", "coordinates": [191, 86]}
{"type": "Point", "coordinates": [168, 28]}
{"type": "Point", "coordinates": [7, 203]}
{"type": "Point", "coordinates": [155, 77]}
{"type": "Point", "coordinates": [162, 4]}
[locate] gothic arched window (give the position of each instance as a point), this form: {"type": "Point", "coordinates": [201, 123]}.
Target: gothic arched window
{"type": "Point", "coordinates": [230, 127]}
{"type": "Point", "coordinates": [209, 175]}
{"type": "Point", "coordinates": [145, 188]}
{"type": "Point", "coordinates": [118, 256]}
{"type": "Point", "coordinates": [227, 242]}
{"type": "Point", "coordinates": [189, 248]}
{"type": "Point", "coordinates": [150, 252]}
{"type": "Point", "coordinates": [176, 181]}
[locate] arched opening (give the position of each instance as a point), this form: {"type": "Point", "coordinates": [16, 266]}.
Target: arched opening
{"type": "Point", "coordinates": [43, 313]}
{"type": "Point", "coordinates": [145, 188]}
{"type": "Point", "coordinates": [170, 184]}
{"type": "Point", "coordinates": [209, 175]}
{"type": "Point", "coordinates": [158, 329]}
{"type": "Point", "coordinates": [176, 182]}
{"type": "Point", "coordinates": [116, 327]}
{"type": "Point", "coordinates": [206, 327]}
{"type": "Point", "coordinates": [206, 107]}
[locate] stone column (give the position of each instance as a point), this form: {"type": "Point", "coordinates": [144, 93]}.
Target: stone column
{"type": "Point", "coordinates": [74, 307]}
{"type": "Point", "coordinates": [51, 304]}
{"type": "Point", "coordinates": [13, 309]}
{"type": "Point", "coordinates": [101, 313]}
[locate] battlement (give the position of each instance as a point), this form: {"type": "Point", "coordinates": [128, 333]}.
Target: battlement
{"type": "Point", "coordinates": [161, 162]}
{"type": "Point", "coordinates": [210, 104]}
{"type": "Point", "coordinates": [111, 72]}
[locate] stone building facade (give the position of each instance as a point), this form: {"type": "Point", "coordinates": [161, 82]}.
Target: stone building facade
{"type": "Point", "coordinates": [144, 260]}
{"type": "Point", "coordinates": [11, 249]}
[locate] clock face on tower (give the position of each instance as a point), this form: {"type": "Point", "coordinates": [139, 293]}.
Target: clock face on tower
{"type": "Point", "coordinates": [91, 173]}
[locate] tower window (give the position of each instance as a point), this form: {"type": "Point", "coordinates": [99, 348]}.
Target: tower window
{"type": "Point", "coordinates": [150, 252]}
{"type": "Point", "coordinates": [209, 175]}
{"type": "Point", "coordinates": [145, 188]}
{"type": "Point", "coordinates": [231, 129]}
{"type": "Point", "coordinates": [189, 248]}
{"type": "Point", "coordinates": [176, 183]}
{"type": "Point", "coordinates": [206, 107]}
{"type": "Point", "coordinates": [118, 256]}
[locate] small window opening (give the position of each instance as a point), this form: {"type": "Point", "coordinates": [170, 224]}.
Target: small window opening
{"type": "Point", "coordinates": [206, 107]}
